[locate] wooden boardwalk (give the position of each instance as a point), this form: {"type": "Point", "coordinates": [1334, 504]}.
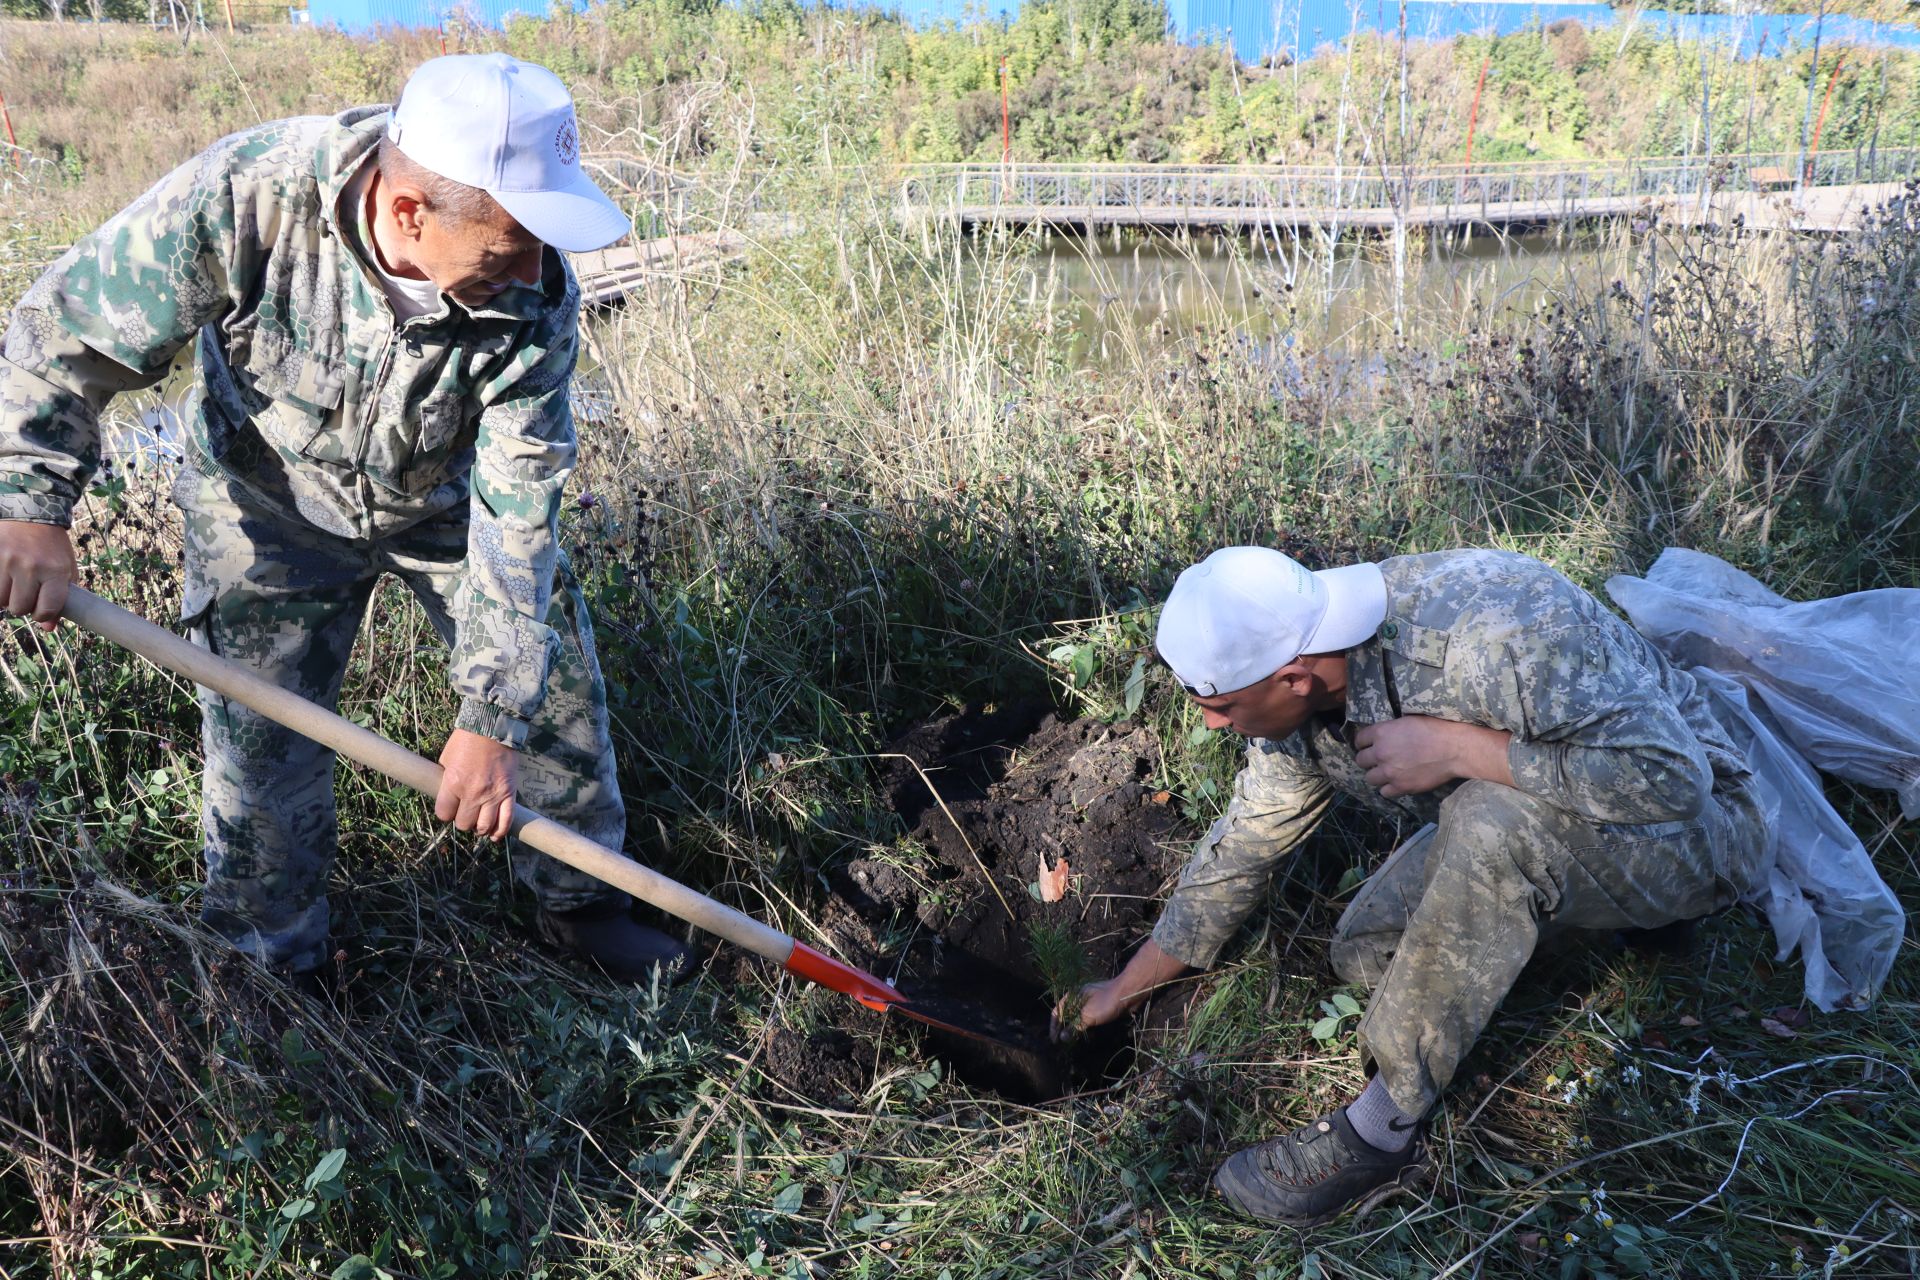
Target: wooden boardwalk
{"type": "Point", "coordinates": [1838, 191]}
{"type": "Point", "coordinates": [1837, 187]}
{"type": "Point", "coordinates": [1828, 210]}
{"type": "Point", "coordinates": [607, 276]}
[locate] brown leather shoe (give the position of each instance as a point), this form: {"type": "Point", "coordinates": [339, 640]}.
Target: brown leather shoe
{"type": "Point", "coordinates": [609, 936]}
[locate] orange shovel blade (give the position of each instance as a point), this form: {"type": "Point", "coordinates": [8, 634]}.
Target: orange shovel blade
{"type": "Point", "coordinates": [870, 991]}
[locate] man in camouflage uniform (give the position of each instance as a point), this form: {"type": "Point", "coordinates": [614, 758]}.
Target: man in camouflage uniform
{"type": "Point", "coordinates": [387, 338]}
{"type": "Point", "coordinates": [1560, 774]}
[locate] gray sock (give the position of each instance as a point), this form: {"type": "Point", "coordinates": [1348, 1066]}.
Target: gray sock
{"type": "Point", "coordinates": [1378, 1122]}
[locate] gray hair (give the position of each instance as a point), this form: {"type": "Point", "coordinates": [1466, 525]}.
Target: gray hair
{"type": "Point", "coordinates": [456, 202]}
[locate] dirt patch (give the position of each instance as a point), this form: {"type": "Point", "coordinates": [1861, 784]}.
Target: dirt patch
{"type": "Point", "coordinates": [951, 910]}
{"type": "Point", "coordinates": [1074, 789]}
{"type": "Point", "coordinates": [821, 1066]}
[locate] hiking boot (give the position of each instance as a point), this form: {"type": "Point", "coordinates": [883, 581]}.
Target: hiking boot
{"type": "Point", "coordinates": [1315, 1173]}
{"type": "Point", "coordinates": [609, 936]}
{"type": "Point", "coordinates": [1675, 940]}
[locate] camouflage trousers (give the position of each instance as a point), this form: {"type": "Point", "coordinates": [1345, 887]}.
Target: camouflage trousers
{"type": "Point", "coordinates": [1442, 930]}
{"type": "Point", "coordinates": [278, 595]}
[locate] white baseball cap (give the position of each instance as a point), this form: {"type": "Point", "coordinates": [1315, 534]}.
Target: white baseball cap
{"type": "Point", "coordinates": [507, 127]}
{"type": "Point", "coordinates": [1245, 612]}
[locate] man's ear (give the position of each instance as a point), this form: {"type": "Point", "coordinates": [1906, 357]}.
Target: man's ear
{"type": "Point", "coordinates": [409, 211]}
{"type": "Point", "coordinates": [1297, 677]}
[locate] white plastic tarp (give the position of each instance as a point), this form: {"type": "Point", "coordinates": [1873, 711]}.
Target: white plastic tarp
{"type": "Point", "coordinates": [1829, 684]}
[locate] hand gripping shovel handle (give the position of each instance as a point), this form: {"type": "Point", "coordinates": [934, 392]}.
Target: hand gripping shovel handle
{"type": "Point", "coordinates": [229, 679]}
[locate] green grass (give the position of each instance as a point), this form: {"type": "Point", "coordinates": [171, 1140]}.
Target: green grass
{"type": "Point", "coordinates": [848, 484]}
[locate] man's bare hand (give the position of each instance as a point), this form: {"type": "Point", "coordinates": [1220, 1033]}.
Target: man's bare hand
{"type": "Point", "coordinates": [36, 567]}
{"type": "Point", "coordinates": [1099, 1003]}
{"type": "Point", "coordinates": [1415, 754]}
{"type": "Point", "coordinates": [1094, 1005]}
{"type": "Point", "coordinates": [477, 793]}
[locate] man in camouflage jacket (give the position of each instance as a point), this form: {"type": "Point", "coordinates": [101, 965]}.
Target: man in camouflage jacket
{"type": "Point", "coordinates": [1557, 771]}
{"type": "Point", "coordinates": [386, 342]}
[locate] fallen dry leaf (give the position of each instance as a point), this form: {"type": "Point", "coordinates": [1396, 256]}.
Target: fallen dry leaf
{"type": "Point", "coordinates": [1790, 1016]}
{"type": "Point", "coordinates": [1688, 1020]}
{"type": "Point", "coordinates": [1778, 1029]}
{"type": "Point", "coordinates": [1053, 882]}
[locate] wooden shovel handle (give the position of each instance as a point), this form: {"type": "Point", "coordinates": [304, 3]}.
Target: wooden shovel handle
{"type": "Point", "coordinates": [165, 649]}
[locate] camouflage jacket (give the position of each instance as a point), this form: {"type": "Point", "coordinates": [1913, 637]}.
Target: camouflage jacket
{"type": "Point", "coordinates": [1602, 726]}
{"type": "Point", "coordinates": [308, 393]}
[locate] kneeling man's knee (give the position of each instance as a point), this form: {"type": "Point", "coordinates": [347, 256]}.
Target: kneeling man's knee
{"type": "Point", "coordinates": [1478, 803]}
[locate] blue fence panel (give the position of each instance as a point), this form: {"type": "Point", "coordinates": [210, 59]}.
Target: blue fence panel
{"type": "Point", "coordinates": [1264, 30]}
{"type": "Point", "coordinates": [423, 15]}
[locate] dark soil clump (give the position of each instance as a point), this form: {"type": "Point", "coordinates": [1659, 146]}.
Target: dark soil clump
{"type": "Point", "coordinates": [821, 1066]}
{"type": "Point", "coordinates": [1077, 789]}
{"type": "Point", "coordinates": [951, 909]}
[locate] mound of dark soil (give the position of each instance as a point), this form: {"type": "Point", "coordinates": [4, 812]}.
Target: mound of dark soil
{"type": "Point", "coordinates": [824, 1065]}
{"type": "Point", "coordinates": [1073, 789]}
{"type": "Point", "coordinates": [950, 910]}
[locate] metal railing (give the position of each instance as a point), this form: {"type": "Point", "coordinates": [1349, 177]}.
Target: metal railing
{"type": "Point", "coordinates": [1075, 191]}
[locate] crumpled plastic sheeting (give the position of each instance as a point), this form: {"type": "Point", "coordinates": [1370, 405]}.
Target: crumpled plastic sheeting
{"type": "Point", "coordinates": [1823, 684]}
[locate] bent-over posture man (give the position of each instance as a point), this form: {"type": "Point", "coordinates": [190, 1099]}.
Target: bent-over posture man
{"type": "Point", "coordinates": [1561, 774]}
{"type": "Point", "coordinates": [387, 339]}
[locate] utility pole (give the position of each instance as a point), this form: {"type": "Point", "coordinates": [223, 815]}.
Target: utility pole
{"type": "Point", "coordinates": [13, 143]}
{"type": "Point", "coordinates": [1706, 118]}
{"type": "Point", "coordinates": [1813, 148]}
{"type": "Point", "coordinates": [1473, 116]}
{"type": "Point", "coordinates": [1006, 118]}
{"type": "Point", "coordinates": [1813, 83]}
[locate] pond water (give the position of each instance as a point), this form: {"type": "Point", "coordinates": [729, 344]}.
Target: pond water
{"type": "Point", "coordinates": [1119, 294]}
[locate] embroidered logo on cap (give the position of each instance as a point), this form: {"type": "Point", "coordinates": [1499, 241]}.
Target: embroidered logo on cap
{"type": "Point", "coordinates": [567, 142]}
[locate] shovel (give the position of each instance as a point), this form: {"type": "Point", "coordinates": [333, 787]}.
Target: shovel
{"type": "Point", "coordinates": [363, 746]}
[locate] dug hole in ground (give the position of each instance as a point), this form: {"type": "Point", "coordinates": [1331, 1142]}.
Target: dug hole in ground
{"type": "Point", "coordinates": [952, 911]}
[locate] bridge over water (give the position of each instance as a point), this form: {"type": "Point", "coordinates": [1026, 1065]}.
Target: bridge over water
{"type": "Point", "coordinates": [1825, 190]}
{"type": "Point", "coordinates": [687, 223]}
